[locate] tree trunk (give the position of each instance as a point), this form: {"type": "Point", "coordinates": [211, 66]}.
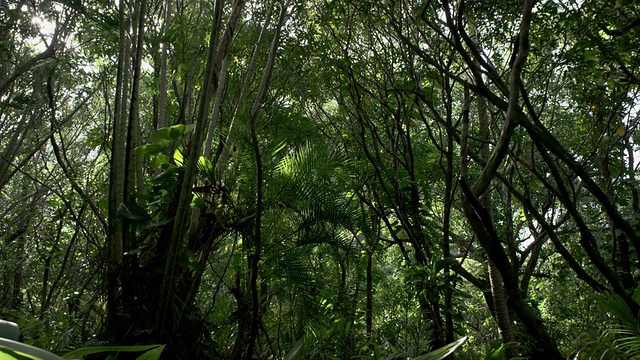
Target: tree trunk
{"type": "Point", "coordinates": [495, 279]}
{"type": "Point", "coordinates": [501, 309]}
{"type": "Point", "coordinates": [117, 174]}
{"type": "Point", "coordinates": [449, 196]}
{"type": "Point", "coordinates": [369, 294]}
{"type": "Point", "coordinates": [168, 321]}
{"type": "Point", "coordinates": [255, 256]}
{"type": "Point", "coordinates": [162, 76]}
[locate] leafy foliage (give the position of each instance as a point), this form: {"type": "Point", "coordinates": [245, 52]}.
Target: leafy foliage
{"type": "Point", "coordinates": [321, 179]}
{"type": "Point", "coordinates": [620, 339]}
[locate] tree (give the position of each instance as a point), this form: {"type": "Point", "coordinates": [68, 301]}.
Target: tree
{"type": "Point", "coordinates": [322, 179]}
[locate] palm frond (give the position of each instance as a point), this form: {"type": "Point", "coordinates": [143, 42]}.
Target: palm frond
{"type": "Point", "coordinates": [312, 161]}
{"type": "Point", "coordinates": [318, 235]}
{"type": "Point", "coordinates": [619, 341]}
{"type": "Point", "coordinates": [591, 345]}
{"type": "Point", "coordinates": [331, 213]}
{"type": "Point", "coordinates": [307, 175]}
{"type": "Point", "coordinates": [292, 267]}
{"type": "Point", "coordinates": [627, 340]}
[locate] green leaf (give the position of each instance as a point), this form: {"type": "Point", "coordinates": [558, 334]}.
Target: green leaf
{"type": "Point", "coordinates": [78, 353]}
{"type": "Point", "coordinates": [11, 350]}
{"type": "Point", "coordinates": [199, 202]}
{"type": "Point", "coordinates": [616, 306]}
{"type": "Point", "coordinates": [178, 158]}
{"type": "Point", "coordinates": [173, 132]}
{"type": "Point", "coordinates": [279, 148]}
{"type": "Point", "coordinates": [189, 128]}
{"type": "Point", "coordinates": [636, 295]}
{"type": "Point", "coordinates": [162, 134]}
{"type": "Point", "coordinates": [153, 354]}
{"type": "Point", "coordinates": [160, 160]}
{"type": "Point", "coordinates": [53, 202]}
{"type": "Point", "coordinates": [103, 204]}
{"type": "Point", "coordinates": [614, 170]}
{"type": "Point", "coordinates": [205, 164]}
{"type": "Point", "coordinates": [444, 351]}
{"type": "Point", "coordinates": [294, 353]}
{"type": "Point", "coordinates": [133, 211]}
{"type": "Point", "coordinates": [497, 350]}
{"type": "Point", "coordinates": [150, 149]}
{"type": "Point", "coordinates": [8, 354]}
{"type": "Point", "coordinates": [442, 263]}
{"type": "Point", "coordinates": [590, 55]}
{"type": "Point", "coordinates": [189, 261]}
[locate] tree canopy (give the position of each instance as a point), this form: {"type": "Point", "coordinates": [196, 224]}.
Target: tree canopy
{"type": "Point", "coordinates": [322, 179]}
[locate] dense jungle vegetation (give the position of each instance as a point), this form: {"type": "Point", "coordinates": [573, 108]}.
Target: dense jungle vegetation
{"type": "Point", "coordinates": [322, 179]}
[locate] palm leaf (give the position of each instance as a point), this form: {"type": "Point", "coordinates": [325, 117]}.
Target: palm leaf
{"type": "Point", "coordinates": [444, 351]}
{"type": "Point", "coordinates": [619, 341]}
